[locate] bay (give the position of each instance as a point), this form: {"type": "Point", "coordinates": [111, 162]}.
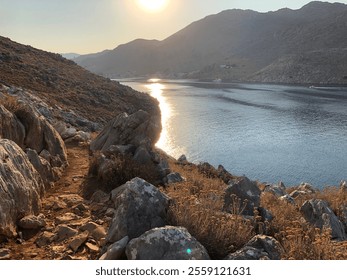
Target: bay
{"type": "Point", "coordinates": [269, 133]}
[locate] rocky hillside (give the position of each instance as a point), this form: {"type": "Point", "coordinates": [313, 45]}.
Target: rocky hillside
{"type": "Point", "coordinates": [234, 45]}
{"type": "Point", "coordinates": [316, 67]}
{"type": "Point", "coordinates": [67, 87]}
{"type": "Point", "coordinates": [65, 194]}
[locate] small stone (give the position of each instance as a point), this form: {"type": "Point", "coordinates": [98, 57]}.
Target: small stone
{"type": "Point", "coordinates": [32, 222]}
{"type": "Point", "coordinates": [67, 217]}
{"type": "Point", "coordinates": [92, 247]}
{"type": "Point", "coordinates": [65, 232]}
{"type": "Point", "coordinates": [71, 199]}
{"type": "Point", "coordinates": [182, 159]}
{"type": "Point", "coordinates": [90, 226]}
{"type": "Point", "coordinates": [44, 239]}
{"type": "Point", "coordinates": [78, 240]}
{"type": "Point", "coordinates": [33, 255]}
{"type": "Point", "coordinates": [5, 254]}
{"type": "Point", "coordinates": [59, 205]}
{"type": "Point", "coordinates": [174, 177]}
{"type": "Point", "coordinates": [98, 233]}
{"type": "Point", "coordinates": [116, 250]}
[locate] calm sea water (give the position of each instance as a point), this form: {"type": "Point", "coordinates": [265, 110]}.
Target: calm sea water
{"type": "Point", "coordinates": [269, 133]}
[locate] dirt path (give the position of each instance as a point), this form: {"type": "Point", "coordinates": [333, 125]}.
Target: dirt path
{"type": "Point", "coordinates": [66, 212]}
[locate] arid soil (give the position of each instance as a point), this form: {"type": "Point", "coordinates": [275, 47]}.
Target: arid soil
{"type": "Point", "coordinates": [63, 205]}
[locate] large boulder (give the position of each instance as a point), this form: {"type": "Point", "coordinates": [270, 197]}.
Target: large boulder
{"type": "Point", "coordinates": [21, 187]}
{"type": "Point", "coordinates": [259, 247]}
{"type": "Point", "coordinates": [166, 243]}
{"type": "Point", "coordinates": [30, 130]}
{"type": "Point", "coordinates": [278, 190]}
{"type": "Point", "coordinates": [318, 213]}
{"type": "Point", "coordinates": [242, 196]}
{"type": "Point", "coordinates": [11, 127]}
{"type": "Point", "coordinates": [138, 129]}
{"type": "Point", "coordinates": [47, 173]}
{"type": "Point", "coordinates": [139, 206]}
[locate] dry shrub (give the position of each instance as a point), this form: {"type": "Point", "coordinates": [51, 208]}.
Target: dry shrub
{"type": "Point", "coordinates": [336, 198]}
{"type": "Point", "coordinates": [299, 239]}
{"type": "Point", "coordinates": [304, 242]}
{"type": "Point", "coordinates": [284, 213]}
{"type": "Point", "coordinates": [197, 206]}
{"type": "Point", "coordinates": [11, 103]}
{"type": "Point", "coordinates": [115, 170]}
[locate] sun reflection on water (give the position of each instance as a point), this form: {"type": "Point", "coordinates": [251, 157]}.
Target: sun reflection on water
{"type": "Point", "coordinates": [156, 90]}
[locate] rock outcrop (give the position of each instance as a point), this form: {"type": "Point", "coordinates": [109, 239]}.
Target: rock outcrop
{"type": "Point", "coordinates": [21, 187]}
{"type": "Point", "coordinates": [260, 247]}
{"type": "Point", "coordinates": [318, 213]}
{"type": "Point", "coordinates": [33, 133]}
{"type": "Point", "coordinates": [247, 194]}
{"type": "Point", "coordinates": [138, 129]}
{"type": "Point", "coordinates": [139, 206]}
{"type": "Point", "coordinates": [129, 139]}
{"type": "Point", "coordinates": [166, 243]}
{"type": "Point", "coordinates": [10, 127]}
{"type": "Point", "coordinates": [278, 190]}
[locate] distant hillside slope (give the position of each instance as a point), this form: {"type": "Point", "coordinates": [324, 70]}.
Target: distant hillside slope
{"type": "Point", "coordinates": [245, 41]}
{"type": "Point", "coordinates": [70, 55]}
{"type": "Point", "coordinates": [63, 83]}
{"type": "Point", "coordinates": [316, 67]}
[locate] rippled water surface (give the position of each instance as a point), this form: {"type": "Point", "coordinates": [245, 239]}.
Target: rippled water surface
{"type": "Point", "coordinates": [269, 133]}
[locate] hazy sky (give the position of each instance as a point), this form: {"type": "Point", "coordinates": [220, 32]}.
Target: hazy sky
{"type": "Point", "coordinates": [86, 26]}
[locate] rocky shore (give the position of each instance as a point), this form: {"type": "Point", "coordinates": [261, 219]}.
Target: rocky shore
{"type": "Point", "coordinates": [75, 185]}
{"type": "Point", "coordinates": [116, 196]}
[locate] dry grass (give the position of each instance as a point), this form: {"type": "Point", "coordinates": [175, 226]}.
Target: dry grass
{"type": "Point", "coordinates": [116, 170]}
{"type": "Point", "coordinates": [336, 198]}
{"type": "Point", "coordinates": [197, 206]}
{"type": "Point", "coordinates": [11, 103]}
{"type": "Point", "coordinates": [299, 239]}
{"type": "Point", "coordinates": [198, 203]}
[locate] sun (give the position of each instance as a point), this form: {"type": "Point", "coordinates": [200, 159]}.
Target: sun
{"type": "Point", "coordinates": [152, 5]}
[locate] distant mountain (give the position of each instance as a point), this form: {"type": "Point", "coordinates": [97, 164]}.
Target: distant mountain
{"type": "Point", "coordinates": [234, 45]}
{"type": "Point", "coordinates": [70, 55]}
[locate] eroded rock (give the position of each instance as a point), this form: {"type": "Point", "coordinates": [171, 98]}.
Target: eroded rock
{"type": "Point", "coordinates": [166, 243]}
{"type": "Point", "coordinates": [138, 129]}
{"type": "Point", "coordinates": [318, 213]}
{"type": "Point", "coordinates": [242, 196]}
{"type": "Point", "coordinates": [21, 187]}
{"type": "Point", "coordinates": [32, 222]}
{"type": "Point", "coordinates": [259, 247]}
{"type": "Point", "coordinates": [116, 251]}
{"type": "Point", "coordinates": [139, 206]}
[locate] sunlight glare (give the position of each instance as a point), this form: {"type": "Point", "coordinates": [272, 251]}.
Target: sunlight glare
{"type": "Point", "coordinates": [152, 5]}
{"type": "Point", "coordinates": [156, 90]}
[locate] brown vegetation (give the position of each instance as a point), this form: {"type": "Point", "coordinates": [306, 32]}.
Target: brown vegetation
{"type": "Point", "coordinates": [61, 82]}
{"type": "Point", "coordinates": [197, 206]}
{"type": "Point", "coordinates": [114, 170]}
{"type": "Point", "coordinates": [11, 103]}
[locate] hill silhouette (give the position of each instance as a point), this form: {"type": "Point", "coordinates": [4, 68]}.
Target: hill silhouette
{"type": "Point", "coordinates": [233, 45]}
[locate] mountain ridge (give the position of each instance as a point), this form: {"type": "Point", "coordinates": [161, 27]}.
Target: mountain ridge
{"type": "Point", "coordinates": [249, 40]}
